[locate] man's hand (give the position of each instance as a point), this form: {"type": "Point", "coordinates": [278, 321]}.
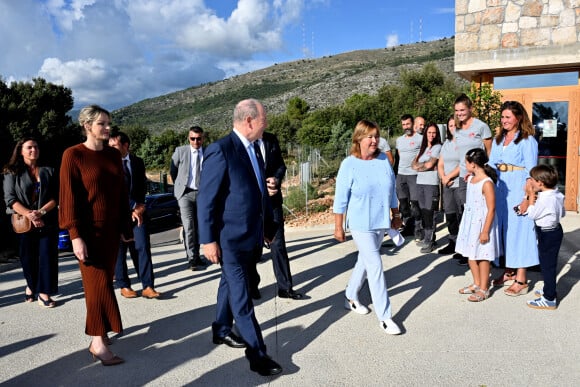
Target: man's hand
{"type": "Point", "coordinates": [137, 217]}
{"type": "Point", "coordinates": [212, 252]}
{"type": "Point", "coordinates": [272, 185]}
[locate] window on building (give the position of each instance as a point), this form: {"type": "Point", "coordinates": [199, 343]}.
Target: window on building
{"type": "Point", "coordinates": [535, 80]}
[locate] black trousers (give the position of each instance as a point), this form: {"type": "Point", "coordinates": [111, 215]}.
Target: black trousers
{"type": "Point", "coordinates": [548, 248]}
{"type": "Point", "coordinates": [280, 259]}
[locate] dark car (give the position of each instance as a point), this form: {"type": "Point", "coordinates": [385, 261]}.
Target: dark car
{"type": "Point", "coordinates": [162, 212]}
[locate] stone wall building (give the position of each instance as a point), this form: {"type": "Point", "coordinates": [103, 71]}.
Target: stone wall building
{"type": "Point", "coordinates": [529, 50]}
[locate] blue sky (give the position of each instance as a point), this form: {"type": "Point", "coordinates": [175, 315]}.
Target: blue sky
{"type": "Point", "coordinates": [117, 52]}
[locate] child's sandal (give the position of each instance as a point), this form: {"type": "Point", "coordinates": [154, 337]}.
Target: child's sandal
{"type": "Point", "coordinates": [480, 295]}
{"type": "Point", "coordinates": [473, 288]}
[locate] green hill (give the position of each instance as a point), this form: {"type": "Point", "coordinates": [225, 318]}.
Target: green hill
{"type": "Point", "coordinates": [321, 82]}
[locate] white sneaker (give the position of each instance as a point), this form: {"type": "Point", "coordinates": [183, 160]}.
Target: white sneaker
{"type": "Point", "coordinates": [390, 327]}
{"type": "Point", "coordinates": [355, 306]}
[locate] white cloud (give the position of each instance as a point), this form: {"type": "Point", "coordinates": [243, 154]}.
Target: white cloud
{"type": "Point", "coordinates": [444, 10]}
{"type": "Point", "coordinates": [65, 14]}
{"type": "Point", "coordinates": [116, 52]}
{"type": "Point", "coordinates": [392, 40]}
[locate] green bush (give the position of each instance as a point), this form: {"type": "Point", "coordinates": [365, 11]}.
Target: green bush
{"type": "Point", "coordinates": [295, 200]}
{"type": "Point", "coordinates": [317, 207]}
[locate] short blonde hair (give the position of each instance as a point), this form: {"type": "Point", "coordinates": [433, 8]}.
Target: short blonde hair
{"type": "Point", "coordinates": [90, 113]}
{"type": "Point", "coordinates": [361, 130]}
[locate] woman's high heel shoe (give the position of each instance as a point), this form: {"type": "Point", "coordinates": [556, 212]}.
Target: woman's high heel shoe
{"type": "Point", "coordinates": [517, 289]}
{"type": "Point", "coordinates": [46, 303]}
{"type": "Point", "coordinates": [506, 279]}
{"type": "Point", "coordinates": [106, 362]}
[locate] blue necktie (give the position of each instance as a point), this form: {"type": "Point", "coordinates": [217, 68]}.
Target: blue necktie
{"type": "Point", "coordinates": [256, 165]}
{"type": "Point", "coordinates": [127, 173]}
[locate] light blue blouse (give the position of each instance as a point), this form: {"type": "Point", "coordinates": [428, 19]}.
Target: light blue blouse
{"type": "Point", "coordinates": [365, 190]}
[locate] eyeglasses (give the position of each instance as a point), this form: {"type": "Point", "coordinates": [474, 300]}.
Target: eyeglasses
{"type": "Point", "coordinates": [195, 138]}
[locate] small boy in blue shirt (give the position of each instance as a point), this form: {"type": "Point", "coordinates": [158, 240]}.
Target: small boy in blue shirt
{"type": "Point", "coordinates": [546, 210]}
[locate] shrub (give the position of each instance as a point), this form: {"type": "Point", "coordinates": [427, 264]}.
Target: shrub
{"type": "Point", "coordinates": [296, 197]}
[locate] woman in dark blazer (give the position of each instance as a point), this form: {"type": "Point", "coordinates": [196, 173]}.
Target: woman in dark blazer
{"type": "Point", "coordinates": [32, 191]}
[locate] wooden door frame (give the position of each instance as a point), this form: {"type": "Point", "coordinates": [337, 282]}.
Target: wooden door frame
{"type": "Point", "coordinates": [571, 94]}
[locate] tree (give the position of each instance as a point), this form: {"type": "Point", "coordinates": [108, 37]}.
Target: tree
{"type": "Point", "coordinates": [282, 127]}
{"type": "Point", "coordinates": [486, 104]}
{"type": "Point", "coordinates": [297, 108]}
{"type": "Point", "coordinates": [37, 109]}
{"type": "Point", "coordinates": [137, 133]}
{"type": "Point", "coordinates": [340, 139]}
{"type": "Point", "coordinates": [358, 107]}
{"type": "Point", "coordinates": [315, 130]}
{"type": "Point", "coordinates": [156, 152]}
{"type": "Point", "coordinates": [428, 93]}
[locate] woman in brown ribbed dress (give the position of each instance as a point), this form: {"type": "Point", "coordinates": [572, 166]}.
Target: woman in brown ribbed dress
{"type": "Point", "coordinates": [94, 208]}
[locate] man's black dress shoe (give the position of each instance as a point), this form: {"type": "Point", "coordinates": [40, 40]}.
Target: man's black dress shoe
{"type": "Point", "coordinates": [230, 340]}
{"type": "Point", "coordinates": [290, 294]}
{"type": "Point", "coordinates": [196, 264]}
{"type": "Point", "coordinates": [255, 293]}
{"type": "Point", "coordinates": [265, 366]}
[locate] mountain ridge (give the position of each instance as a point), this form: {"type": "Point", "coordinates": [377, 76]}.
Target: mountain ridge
{"type": "Point", "coordinates": [321, 82]}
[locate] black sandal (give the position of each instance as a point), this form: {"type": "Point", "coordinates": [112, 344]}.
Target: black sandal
{"type": "Point", "coordinates": [46, 303]}
{"type": "Point", "coordinates": [507, 276]}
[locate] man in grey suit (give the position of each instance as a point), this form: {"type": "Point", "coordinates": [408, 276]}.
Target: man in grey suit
{"type": "Point", "coordinates": [185, 172]}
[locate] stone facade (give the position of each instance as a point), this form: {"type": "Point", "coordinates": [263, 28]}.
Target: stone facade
{"type": "Point", "coordinates": [492, 35]}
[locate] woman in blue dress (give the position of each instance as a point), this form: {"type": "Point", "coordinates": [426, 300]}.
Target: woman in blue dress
{"type": "Point", "coordinates": [514, 153]}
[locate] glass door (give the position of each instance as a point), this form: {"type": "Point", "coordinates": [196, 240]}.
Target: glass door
{"type": "Point", "coordinates": [550, 120]}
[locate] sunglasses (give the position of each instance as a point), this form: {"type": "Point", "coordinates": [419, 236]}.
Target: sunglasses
{"type": "Point", "coordinates": [195, 138]}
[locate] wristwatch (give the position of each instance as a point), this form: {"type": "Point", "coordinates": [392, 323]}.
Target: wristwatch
{"type": "Point", "coordinates": [42, 212]}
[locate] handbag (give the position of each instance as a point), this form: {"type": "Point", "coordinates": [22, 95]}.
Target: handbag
{"type": "Point", "coordinates": [21, 223]}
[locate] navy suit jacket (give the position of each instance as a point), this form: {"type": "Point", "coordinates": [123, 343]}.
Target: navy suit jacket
{"type": "Point", "coordinates": [275, 166]}
{"type": "Point", "coordinates": [138, 180]}
{"type": "Point", "coordinates": [231, 209]}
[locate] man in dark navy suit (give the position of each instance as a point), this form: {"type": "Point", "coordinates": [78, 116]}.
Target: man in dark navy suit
{"type": "Point", "coordinates": [234, 218]}
{"type": "Point", "coordinates": [140, 247]}
{"type": "Point", "coordinates": [275, 173]}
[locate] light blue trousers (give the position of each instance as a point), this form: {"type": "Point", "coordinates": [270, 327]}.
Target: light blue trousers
{"type": "Point", "coordinates": [370, 266]}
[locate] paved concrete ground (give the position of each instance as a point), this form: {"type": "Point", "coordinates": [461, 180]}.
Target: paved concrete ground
{"type": "Point", "coordinates": [446, 340]}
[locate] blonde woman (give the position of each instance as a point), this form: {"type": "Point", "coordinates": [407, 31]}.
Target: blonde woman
{"type": "Point", "coordinates": [95, 210]}
{"type": "Point", "coordinates": [365, 191]}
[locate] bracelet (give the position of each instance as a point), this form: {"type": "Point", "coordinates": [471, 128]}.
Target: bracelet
{"type": "Point", "coordinates": [397, 215]}
{"type": "Point", "coordinates": [42, 212]}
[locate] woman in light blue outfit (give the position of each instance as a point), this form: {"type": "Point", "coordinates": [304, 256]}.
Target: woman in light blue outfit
{"type": "Point", "coordinates": [365, 191]}
{"type": "Point", "coordinates": [514, 153]}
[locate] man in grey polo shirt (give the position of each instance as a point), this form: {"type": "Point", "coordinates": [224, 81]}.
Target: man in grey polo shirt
{"type": "Point", "coordinates": [407, 148]}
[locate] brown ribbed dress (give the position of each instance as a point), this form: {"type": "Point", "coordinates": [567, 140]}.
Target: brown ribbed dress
{"type": "Point", "coordinates": [94, 207]}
